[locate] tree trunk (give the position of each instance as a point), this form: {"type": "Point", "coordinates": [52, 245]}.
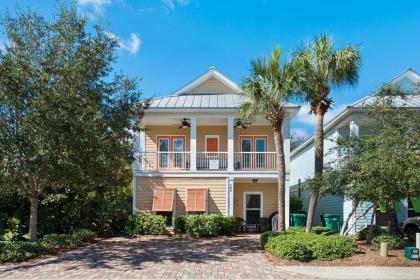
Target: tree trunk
{"type": "Point", "coordinates": [346, 222]}
{"type": "Point", "coordinates": [393, 219]}
{"type": "Point", "coordinates": [319, 166]}
{"type": "Point", "coordinates": [33, 217]}
{"type": "Point", "coordinates": [281, 171]}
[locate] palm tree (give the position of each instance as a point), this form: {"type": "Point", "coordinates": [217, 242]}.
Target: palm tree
{"type": "Point", "coordinates": [266, 90]}
{"type": "Point", "coordinates": [325, 67]}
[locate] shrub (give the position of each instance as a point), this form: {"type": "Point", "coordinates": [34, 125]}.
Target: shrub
{"type": "Point", "coordinates": [321, 230]}
{"type": "Point", "coordinates": [376, 231]}
{"type": "Point", "coordinates": [52, 242]}
{"type": "Point", "coordinates": [202, 225]}
{"type": "Point", "coordinates": [315, 230]}
{"type": "Point", "coordinates": [14, 251]}
{"type": "Point", "coordinates": [304, 247]}
{"type": "Point", "coordinates": [296, 204]}
{"type": "Point", "coordinates": [179, 224]}
{"type": "Point", "coordinates": [146, 223]}
{"type": "Point", "coordinates": [394, 242]}
{"type": "Point", "coordinates": [226, 225]}
{"type": "Point", "coordinates": [333, 247]}
{"type": "Point", "coordinates": [209, 225]}
{"type": "Point", "coordinates": [266, 235]}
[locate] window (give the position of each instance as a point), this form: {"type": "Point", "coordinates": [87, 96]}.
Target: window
{"type": "Point", "coordinates": [171, 151]}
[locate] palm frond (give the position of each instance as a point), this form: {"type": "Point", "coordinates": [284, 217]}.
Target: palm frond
{"type": "Point", "coordinates": [346, 65]}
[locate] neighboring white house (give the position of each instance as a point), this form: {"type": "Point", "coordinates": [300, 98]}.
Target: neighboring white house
{"type": "Point", "coordinates": [352, 120]}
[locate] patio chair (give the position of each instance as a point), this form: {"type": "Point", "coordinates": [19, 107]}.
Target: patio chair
{"type": "Point", "coordinates": [263, 224]}
{"type": "Point", "coordinates": [240, 225]}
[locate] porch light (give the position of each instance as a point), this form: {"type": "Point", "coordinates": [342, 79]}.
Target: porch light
{"type": "Point", "coordinates": [185, 124]}
{"type": "Point", "coordinates": [254, 181]}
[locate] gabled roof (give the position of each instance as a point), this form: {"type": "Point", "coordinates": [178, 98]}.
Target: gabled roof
{"type": "Point", "coordinates": [410, 101]}
{"type": "Point", "coordinates": [209, 74]}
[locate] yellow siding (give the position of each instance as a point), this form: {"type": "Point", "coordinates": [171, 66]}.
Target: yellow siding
{"type": "Point", "coordinates": [216, 194]}
{"type": "Point", "coordinates": [202, 131]}
{"type": "Point", "coordinates": [212, 86]}
{"type": "Point", "coordinates": [153, 131]}
{"type": "Point", "coordinates": [269, 197]}
{"type": "Point", "coordinates": [257, 130]}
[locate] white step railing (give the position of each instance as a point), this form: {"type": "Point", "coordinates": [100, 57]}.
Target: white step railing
{"type": "Point", "coordinates": [251, 161]}
{"type": "Point", "coordinates": [180, 161]}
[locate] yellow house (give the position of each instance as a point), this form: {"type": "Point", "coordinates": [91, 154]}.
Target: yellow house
{"type": "Point", "coordinates": [196, 156]}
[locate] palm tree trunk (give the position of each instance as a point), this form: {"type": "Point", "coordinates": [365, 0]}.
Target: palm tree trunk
{"type": "Point", "coordinates": [319, 165]}
{"type": "Point", "coordinates": [281, 171]}
{"type": "Point", "coordinates": [33, 217]}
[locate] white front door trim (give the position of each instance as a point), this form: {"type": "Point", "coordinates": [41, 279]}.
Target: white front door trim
{"type": "Point", "coordinates": [261, 204]}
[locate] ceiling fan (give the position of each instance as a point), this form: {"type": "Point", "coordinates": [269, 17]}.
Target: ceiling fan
{"type": "Point", "coordinates": [184, 124]}
{"type": "Point", "coordinates": [240, 124]}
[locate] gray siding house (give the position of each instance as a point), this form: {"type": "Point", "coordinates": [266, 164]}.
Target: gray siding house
{"type": "Point", "coordinates": [352, 120]}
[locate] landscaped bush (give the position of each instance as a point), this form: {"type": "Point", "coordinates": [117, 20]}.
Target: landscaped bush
{"type": "Point", "coordinates": [13, 251]}
{"type": "Point", "coordinates": [179, 224]}
{"type": "Point", "coordinates": [394, 242]}
{"type": "Point", "coordinates": [315, 230]}
{"type": "Point", "coordinates": [52, 242]}
{"type": "Point", "coordinates": [376, 231]}
{"type": "Point", "coordinates": [146, 223]}
{"type": "Point", "coordinates": [266, 235]}
{"type": "Point", "coordinates": [209, 225]}
{"type": "Point", "coordinates": [304, 247]}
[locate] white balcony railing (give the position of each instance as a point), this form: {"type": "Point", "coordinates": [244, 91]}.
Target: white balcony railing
{"type": "Point", "coordinates": [180, 161]}
{"type": "Point", "coordinates": [264, 161]}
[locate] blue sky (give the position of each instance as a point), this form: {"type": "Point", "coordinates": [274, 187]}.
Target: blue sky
{"type": "Point", "coordinates": [169, 42]}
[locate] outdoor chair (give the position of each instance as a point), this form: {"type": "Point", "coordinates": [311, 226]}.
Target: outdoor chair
{"type": "Point", "coordinates": [240, 224]}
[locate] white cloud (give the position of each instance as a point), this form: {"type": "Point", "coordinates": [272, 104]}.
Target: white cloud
{"type": "Point", "coordinates": [132, 45]}
{"type": "Point", "coordinates": [299, 132]}
{"type": "Point", "coordinates": [304, 117]}
{"type": "Point", "coordinates": [3, 45]}
{"type": "Point", "coordinates": [97, 5]}
{"type": "Point", "coordinates": [171, 4]}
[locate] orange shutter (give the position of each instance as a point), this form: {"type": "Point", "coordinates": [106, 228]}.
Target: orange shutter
{"type": "Point", "coordinates": [163, 200]}
{"type": "Point", "coordinates": [196, 200]}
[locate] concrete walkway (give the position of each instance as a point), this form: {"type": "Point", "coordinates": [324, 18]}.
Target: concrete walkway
{"type": "Point", "coordinates": [171, 258]}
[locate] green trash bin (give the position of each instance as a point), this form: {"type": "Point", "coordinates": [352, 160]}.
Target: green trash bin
{"type": "Point", "coordinates": [332, 222]}
{"type": "Point", "coordinates": [297, 220]}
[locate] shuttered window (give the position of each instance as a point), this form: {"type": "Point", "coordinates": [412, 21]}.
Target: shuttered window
{"type": "Point", "coordinates": [196, 200]}
{"type": "Point", "coordinates": [163, 200]}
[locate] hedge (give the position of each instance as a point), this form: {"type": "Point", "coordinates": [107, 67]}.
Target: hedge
{"type": "Point", "coordinates": [315, 230]}
{"type": "Point", "coordinates": [14, 251]}
{"type": "Point", "coordinates": [305, 247]}
{"type": "Point", "coordinates": [204, 225]}
{"type": "Point", "coordinates": [146, 223]}
{"type": "Point", "coordinates": [394, 242]}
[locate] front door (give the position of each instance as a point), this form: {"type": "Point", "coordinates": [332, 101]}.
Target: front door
{"type": "Point", "coordinates": [252, 207]}
{"type": "Point", "coordinates": [246, 149]}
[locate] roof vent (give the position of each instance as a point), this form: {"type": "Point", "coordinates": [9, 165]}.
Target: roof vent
{"type": "Point", "coordinates": [212, 68]}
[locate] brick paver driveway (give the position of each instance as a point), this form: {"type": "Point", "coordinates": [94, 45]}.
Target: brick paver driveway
{"type": "Point", "coordinates": [157, 257]}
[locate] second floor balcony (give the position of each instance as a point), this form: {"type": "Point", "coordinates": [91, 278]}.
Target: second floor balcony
{"type": "Point", "coordinates": [207, 161]}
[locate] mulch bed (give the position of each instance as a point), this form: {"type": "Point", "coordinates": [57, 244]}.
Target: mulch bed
{"type": "Point", "coordinates": [365, 256]}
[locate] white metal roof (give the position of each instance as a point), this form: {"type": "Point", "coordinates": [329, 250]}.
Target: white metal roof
{"type": "Point", "coordinates": [197, 101]}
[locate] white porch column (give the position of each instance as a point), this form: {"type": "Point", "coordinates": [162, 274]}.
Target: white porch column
{"type": "Point", "coordinates": [134, 187]}
{"type": "Point", "coordinates": [229, 196]}
{"type": "Point", "coordinates": [193, 144]}
{"type": "Point", "coordinates": [142, 147]}
{"type": "Point", "coordinates": [287, 204]}
{"type": "Point", "coordinates": [230, 149]}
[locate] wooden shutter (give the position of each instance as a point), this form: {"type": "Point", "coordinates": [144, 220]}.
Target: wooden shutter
{"type": "Point", "coordinates": [163, 200]}
{"type": "Point", "coordinates": [196, 200]}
